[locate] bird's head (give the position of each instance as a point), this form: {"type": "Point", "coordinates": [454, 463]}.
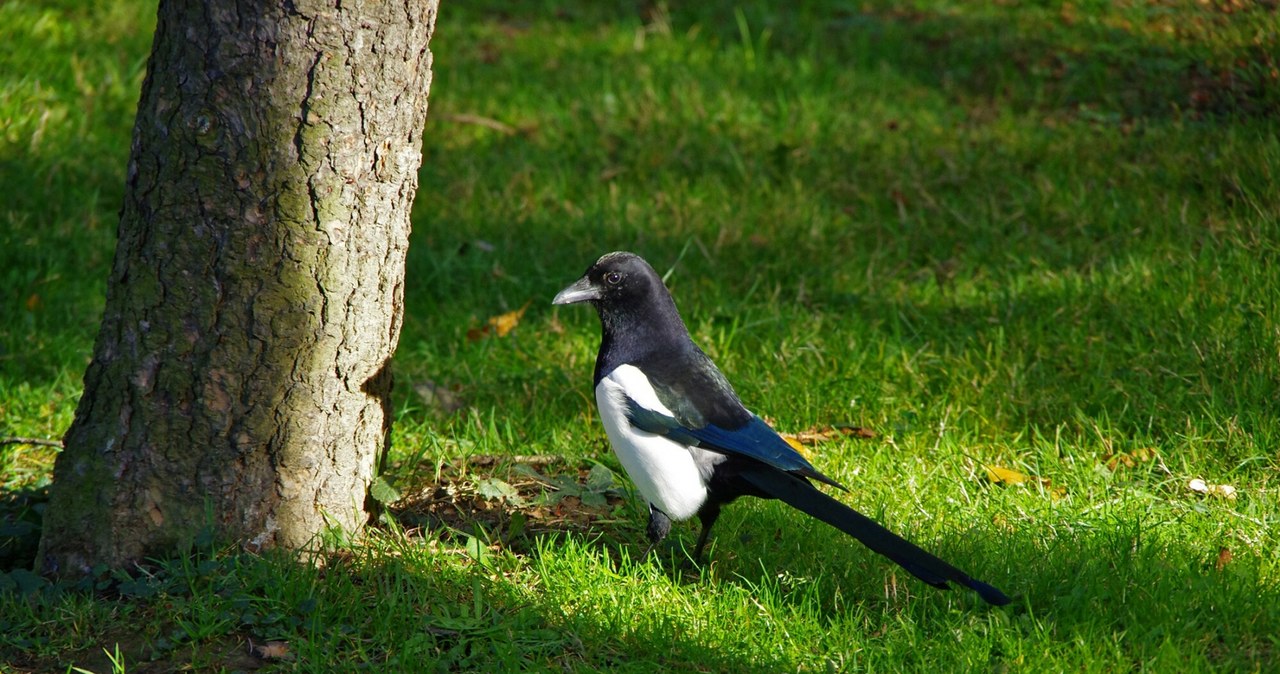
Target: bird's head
{"type": "Point", "coordinates": [615, 280]}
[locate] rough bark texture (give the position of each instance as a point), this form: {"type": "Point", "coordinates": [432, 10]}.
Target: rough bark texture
{"type": "Point", "coordinates": [239, 384]}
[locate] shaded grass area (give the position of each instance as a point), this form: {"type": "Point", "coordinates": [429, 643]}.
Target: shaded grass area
{"type": "Point", "coordinates": [1037, 236]}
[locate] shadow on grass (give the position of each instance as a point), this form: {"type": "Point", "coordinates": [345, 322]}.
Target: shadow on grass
{"type": "Point", "coordinates": [1122, 61]}
{"type": "Point", "coordinates": [535, 599]}
{"type": "Point", "coordinates": [993, 55]}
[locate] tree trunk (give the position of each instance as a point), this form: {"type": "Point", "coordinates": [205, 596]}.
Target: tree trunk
{"type": "Point", "coordinates": [240, 382]}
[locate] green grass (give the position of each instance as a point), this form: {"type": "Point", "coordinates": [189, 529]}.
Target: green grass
{"type": "Point", "coordinates": [1027, 235]}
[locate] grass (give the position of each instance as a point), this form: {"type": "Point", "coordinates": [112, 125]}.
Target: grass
{"type": "Point", "coordinates": [1033, 236]}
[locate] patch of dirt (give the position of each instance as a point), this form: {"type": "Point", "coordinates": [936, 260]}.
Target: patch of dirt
{"type": "Point", "coordinates": [511, 501]}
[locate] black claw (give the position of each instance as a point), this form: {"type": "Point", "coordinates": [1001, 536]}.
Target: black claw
{"type": "Point", "coordinates": [707, 516]}
{"type": "Point", "coordinates": [659, 527]}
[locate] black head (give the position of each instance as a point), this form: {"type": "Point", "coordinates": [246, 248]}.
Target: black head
{"type": "Point", "coordinates": [615, 281]}
{"type": "Point", "coordinates": [637, 315]}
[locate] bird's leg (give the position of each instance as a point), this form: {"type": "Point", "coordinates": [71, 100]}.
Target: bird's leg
{"type": "Point", "coordinates": [710, 511]}
{"type": "Point", "coordinates": [659, 527]}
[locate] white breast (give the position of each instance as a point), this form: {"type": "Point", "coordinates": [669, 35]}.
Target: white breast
{"type": "Point", "coordinates": [663, 470]}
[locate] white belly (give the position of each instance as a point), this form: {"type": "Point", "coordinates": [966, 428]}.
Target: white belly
{"type": "Point", "coordinates": [663, 470]}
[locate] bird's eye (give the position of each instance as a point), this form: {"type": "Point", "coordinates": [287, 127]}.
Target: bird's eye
{"type": "Point", "coordinates": [613, 278]}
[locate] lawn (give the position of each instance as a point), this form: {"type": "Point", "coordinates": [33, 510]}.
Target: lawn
{"type": "Point", "coordinates": [1017, 264]}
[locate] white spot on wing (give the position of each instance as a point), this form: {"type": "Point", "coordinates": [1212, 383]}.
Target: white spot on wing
{"type": "Point", "coordinates": [663, 470]}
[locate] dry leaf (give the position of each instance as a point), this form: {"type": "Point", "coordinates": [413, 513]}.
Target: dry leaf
{"type": "Point", "coordinates": [815, 435]}
{"type": "Point", "coordinates": [272, 650]}
{"type": "Point", "coordinates": [800, 448]}
{"type": "Point", "coordinates": [1224, 558]}
{"type": "Point", "coordinates": [502, 324]}
{"type": "Point", "coordinates": [1116, 460]}
{"type": "Point", "coordinates": [34, 302]}
{"type": "Point", "coordinates": [801, 441]}
{"type": "Point", "coordinates": [1000, 475]}
{"type": "Point", "coordinates": [505, 323]}
{"type": "Point", "coordinates": [1219, 490]}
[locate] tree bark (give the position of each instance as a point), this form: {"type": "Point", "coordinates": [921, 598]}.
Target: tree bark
{"type": "Point", "coordinates": [240, 380]}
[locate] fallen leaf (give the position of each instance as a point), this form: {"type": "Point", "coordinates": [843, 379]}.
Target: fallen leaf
{"type": "Point", "coordinates": [798, 446]}
{"type": "Point", "coordinates": [501, 325]}
{"type": "Point", "coordinates": [1001, 475]}
{"type": "Point", "coordinates": [1224, 558]}
{"type": "Point", "coordinates": [33, 302]}
{"type": "Point", "coordinates": [1217, 490]}
{"type": "Point", "coordinates": [813, 436]}
{"type": "Point", "coordinates": [272, 650]}
{"type": "Point", "coordinates": [1117, 460]}
{"type": "Point", "coordinates": [505, 323]}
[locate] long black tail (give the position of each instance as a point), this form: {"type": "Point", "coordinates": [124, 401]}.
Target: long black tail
{"type": "Point", "coordinates": [799, 494]}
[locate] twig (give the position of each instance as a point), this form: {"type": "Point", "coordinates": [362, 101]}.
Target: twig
{"type": "Point", "coordinates": [39, 442]}
{"type": "Point", "coordinates": [486, 122]}
{"type": "Point", "coordinates": [531, 459]}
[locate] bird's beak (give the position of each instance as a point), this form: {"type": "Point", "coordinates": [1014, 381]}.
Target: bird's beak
{"type": "Point", "coordinates": [580, 291]}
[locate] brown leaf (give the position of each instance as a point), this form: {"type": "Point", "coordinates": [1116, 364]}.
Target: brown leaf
{"type": "Point", "coordinates": [813, 436]}
{"type": "Point", "coordinates": [1116, 460]}
{"type": "Point", "coordinates": [34, 302]}
{"type": "Point", "coordinates": [272, 650]}
{"type": "Point", "coordinates": [501, 325]}
{"type": "Point", "coordinates": [1224, 558]}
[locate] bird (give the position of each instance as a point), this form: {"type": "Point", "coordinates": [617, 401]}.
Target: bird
{"type": "Point", "coordinates": [686, 440]}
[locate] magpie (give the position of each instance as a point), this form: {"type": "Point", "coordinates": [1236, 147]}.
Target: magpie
{"type": "Point", "coordinates": [685, 438]}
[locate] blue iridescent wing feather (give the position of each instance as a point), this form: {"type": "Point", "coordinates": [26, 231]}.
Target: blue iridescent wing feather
{"type": "Point", "coordinates": [754, 440]}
